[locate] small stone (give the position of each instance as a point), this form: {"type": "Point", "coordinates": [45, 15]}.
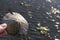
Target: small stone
{"type": "Point", "coordinates": [31, 17]}
{"type": "Point", "coordinates": [48, 13]}
{"type": "Point", "coordinates": [29, 11]}
{"type": "Point", "coordinates": [57, 23]}
{"type": "Point", "coordinates": [53, 20]}
{"type": "Point", "coordinates": [58, 30]}
{"type": "Point", "coordinates": [57, 39]}
{"type": "Point", "coordinates": [56, 26]}
{"type": "Point", "coordinates": [58, 16]}
{"type": "Point", "coordinates": [38, 24]}
{"type": "Point", "coordinates": [49, 1]}
{"type": "Point", "coordinates": [22, 3]}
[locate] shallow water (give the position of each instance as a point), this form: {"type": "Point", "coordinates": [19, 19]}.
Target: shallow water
{"type": "Point", "coordinates": [45, 12]}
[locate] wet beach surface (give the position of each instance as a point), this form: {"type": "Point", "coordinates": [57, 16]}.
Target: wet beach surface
{"type": "Point", "coordinates": [45, 12]}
